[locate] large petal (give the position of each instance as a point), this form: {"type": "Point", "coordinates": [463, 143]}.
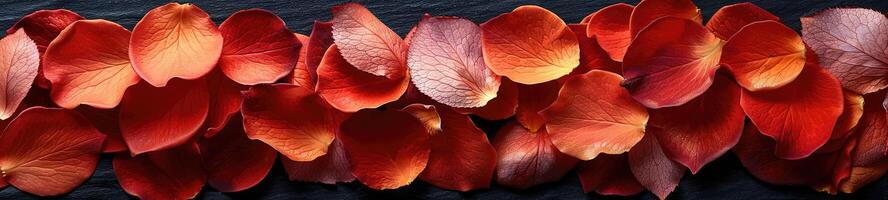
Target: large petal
{"type": "Point", "coordinates": [386, 149]}
{"type": "Point", "coordinates": [107, 121]}
{"type": "Point", "coordinates": [225, 101]}
{"type": "Point", "coordinates": [168, 174]}
{"type": "Point", "coordinates": [257, 47]}
{"type": "Point", "coordinates": [367, 44]}
{"type": "Point", "coordinates": [89, 64]}
{"type": "Point", "coordinates": [851, 45]}
{"type": "Point", "coordinates": [594, 115]}
{"type": "Point", "coordinates": [462, 157]}
{"type": "Point", "coordinates": [234, 162]}
{"type": "Point", "coordinates": [526, 158]}
{"type": "Point", "coordinates": [43, 26]}
{"type": "Point", "coordinates": [47, 151]}
{"type": "Point", "coordinates": [764, 55]}
{"type": "Point", "coordinates": [331, 168]}
{"type": "Point", "coordinates": [708, 126]}
{"type": "Point", "coordinates": [799, 116]}
{"type": "Point", "coordinates": [349, 89]}
{"type": "Point", "coordinates": [648, 11]}
{"type": "Point", "coordinates": [670, 62]}
{"type": "Point", "coordinates": [446, 64]}
{"type": "Point", "coordinates": [19, 62]}
{"type": "Point", "coordinates": [610, 27]}
{"type": "Point", "coordinates": [592, 56]}
{"type": "Point", "coordinates": [291, 119]}
{"type": "Point", "coordinates": [160, 118]}
{"type": "Point", "coordinates": [529, 45]}
{"type": "Point", "coordinates": [609, 175]}
{"type": "Point", "coordinates": [532, 99]}
{"type": "Point", "coordinates": [728, 20]}
{"type": "Point", "coordinates": [174, 41]}
{"type": "Point", "coordinates": [653, 169]}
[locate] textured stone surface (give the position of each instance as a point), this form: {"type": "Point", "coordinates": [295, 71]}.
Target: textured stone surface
{"type": "Point", "coordinates": [722, 178]}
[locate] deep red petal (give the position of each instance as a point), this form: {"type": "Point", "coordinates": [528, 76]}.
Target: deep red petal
{"type": "Point", "coordinates": [847, 122]}
{"type": "Point", "coordinates": [526, 159]}
{"type": "Point", "coordinates": [225, 101]}
{"type": "Point", "coordinates": [168, 174]}
{"type": "Point", "coordinates": [257, 47]}
{"type": "Point", "coordinates": [653, 169]}
{"type": "Point", "coordinates": [610, 27]}
{"type": "Point", "coordinates": [331, 168]}
{"type": "Point", "coordinates": [648, 11]}
{"type": "Point", "coordinates": [234, 162]}
{"type": "Point", "coordinates": [43, 26]}
{"type": "Point", "coordinates": [728, 20]}
{"type": "Point", "coordinates": [427, 114]}
{"type": "Point", "coordinates": [462, 157]}
{"type": "Point", "coordinates": [872, 131]}
{"type": "Point", "coordinates": [592, 56]}
{"type": "Point", "coordinates": [320, 39]}
{"type": "Point", "coordinates": [19, 61]}
{"type": "Point", "coordinates": [153, 118]}
{"type": "Point", "coordinates": [349, 89]}
{"type": "Point", "coordinates": [531, 100]}
{"type": "Point", "coordinates": [107, 121]}
{"type": "Point", "coordinates": [609, 175]}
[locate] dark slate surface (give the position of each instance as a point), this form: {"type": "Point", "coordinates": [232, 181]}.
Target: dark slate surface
{"type": "Point", "coordinates": [722, 179]}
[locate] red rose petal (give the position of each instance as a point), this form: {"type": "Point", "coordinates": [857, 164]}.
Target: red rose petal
{"type": "Point", "coordinates": [462, 157]}
{"type": "Point", "coordinates": [529, 45]}
{"type": "Point", "coordinates": [591, 54]}
{"type": "Point", "coordinates": [367, 44]}
{"type": "Point", "coordinates": [331, 168]}
{"type": "Point", "coordinates": [153, 118]}
{"type": "Point", "coordinates": [728, 20]}
{"type": "Point", "coordinates": [386, 149]}
{"type": "Point", "coordinates": [320, 39]}
{"type": "Point", "coordinates": [653, 169]}
{"type": "Point", "coordinates": [19, 61]}
{"type": "Point", "coordinates": [301, 76]}
{"type": "Point", "coordinates": [234, 162]}
{"type": "Point", "coordinates": [671, 62]}
{"type": "Point", "coordinates": [168, 174]}
{"type": "Point", "coordinates": [847, 122]}
{"type": "Point", "coordinates": [225, 101]}
{"type": "Point", "coordinates": [49, 151]}
{"type": "Point", "coordinates": [174, 41]}
{"type": "Point", "coordinates": [257, 48]}
{"type": "Point", "coordinates": [427, 114]}
{"type": "Point", "coordinates": [764, 55]}
{"type": "Point", "coordinates": [610, 27]}
{"type": "Point", "coordinates": [531, 100]}
{"type": "Point", "coordinates": [526, 159]}
{"type": "Point", "coordinates": [800, 115]}
{"type": "Point", "coordinates": [608, 175]}
{"type": "Point", "coordinates": [648, 11]}
{"type": "Point", "coordinates": [593, 115]}
{"type": "Point", "coordinates": [88, 63]}
{"type": "Point", "coordinates": [349, 89]}
{"type": "Point", "coordinates": [107, 121]}
{"type": "Point", "coordinates": [851, 46]}
{"type": "Point", "coordinates": [708, 126]}
{"type": "Point", "coordinates": [872, 132]}
{"type": "Point", "coordinates": [446, 64]}
{"type": "Point", "coordinates": [861, 176]}
{"type": "Point", "coordinates": [502, 106]}
{"type": "Point", "coordinates": [291, 119]}
{"type": "Point", "coordinates": [43, 26]}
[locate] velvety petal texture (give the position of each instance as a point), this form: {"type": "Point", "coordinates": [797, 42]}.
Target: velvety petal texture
{"type": "Point", "coordinates": [462, 157]}
{"type": "Point", "coordinates": [320, 39]}
{"type": "Point", "coordinates": [168, 174]}
{"type": "Point", "coordinates": [225, 101]}
{"type": "Point", "coordinates": [367, 43]}
{"type": "Point", "coordinates": [764, 55]}
{"type": "Point", "coordinates": [301, 76]}
{"type": "Point", "coordinates": [653, 169]}
{"type": "Point", "coordinates": [19, 62]}
{"type": "Point", "coordinates": [728, 20]}
{"type": "Point", "coordinates": [531, 100]}
{"type": "Point", "coordinates": [160, 118]}
{"type": "Point", "coordinates": [107, 121]}
{"type": "Point", "coordinates": [427, 114]}
{"type": "Point", "coordinates": [331, 168]}
{"type": "Point", "coordinates": [349, 89]}
{"type": "Point", "coordinates": [610, 27]}
{"type": "Point", "coordinates": [608, 175]}
{"type": "Point", "coordinates": [234, 162]}
{"type": "Point", "coordinates": [526, 158]}
{"type": "Point", "coordinates": [257, 47]}
{"type": "Point", "coordinates": [648, 11]}
{"type": "Point", "coordinates": [43, 26]}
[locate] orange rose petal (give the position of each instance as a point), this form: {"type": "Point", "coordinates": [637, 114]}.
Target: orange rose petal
{"type": "Point", "coordinates": [847, 122]}
{"type": "Point", "coordinates": [462, 157]}
{"type": "Point", "coordinates": [331, 168]}
{"type": "Point", "coordinates": [594, 115]}
{"type": "Point", "coordinates": [608, 175]}
{"type": "Point", "coordinates": [671, 62]}
{"type": "Point", "coordinates": [764, 55]}
{"type": "Point", "coordinates": [531, 100]}
{"type": "Point", "coordinates": [153, 118]}
{"type": "Point", "coordinates": [257, 48]}
{"type": "Point", "coordinates": [293, 120]}
{"type": "Point", "coordinates": [301, 76]}
{"type": "Point", "coordinates": [501, 107]}
{"type": "Point", "coordinates": [591, 54]}
{"type": "Point", "coordinates": [48, 151]}
{"type": "Point", "coordinates": [234, 162]}
{"type": "Point", "coordinates": [42, 27]}
{"type": "Point", "coordinates": [368, 44]}
{"type": "Point", "coordinates": [19, 61]}
{"type": "Point", "coordinates": [174, 41]}
{"type": "Point", "coordinates": [708, 126]}
{"type": "Point", "coordinates": [800, 115]}
{"type": "Point", "coordinates": [529, 45]}
{"type": "Point", "coordinates": [728, 20]}
{"type": "Point", "coordinates": [427, 114]}
{"type": "Point", "coordinates": [349, 89]}
{"type": "Point", "coordinates": [446, 63]}
{"type": "Point", "coordinates": [526, 159]}
{"type": "Point", "coordinates": [88, 63]}
{"type": "Point", "coordinates": [386, 149]}
{"type": "Point", "coordinates": [653, 169]}
{"type": "Point", "coordinates": [168, 174]}
{"type": "Point", "coordinates": [861, 176]}
{"type": "Point", "coordinates": [610, 27]}
{"type": "Point", "coordinates": [648, 11]}
{"type": "Point", "coordinates": [225, 101]}
{"type": "Point", "coordinates": [107, 121]}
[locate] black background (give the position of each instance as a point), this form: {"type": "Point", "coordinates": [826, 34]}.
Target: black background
{"type": "Point", "coordinates": [724, 178]}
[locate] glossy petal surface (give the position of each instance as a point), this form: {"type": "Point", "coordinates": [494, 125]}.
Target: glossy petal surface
{"type": "Point", "coordinates": [648, 11]}
{"type": "Point", "coordinates": [349, 89]}
{"type": "Point", "coordinates": [764, 55]}
{"type": "Point", "coordinates": [160, 118]}
{"type": "Point", "coordinates": [257, 47]}
{"type": "Point", "coordinates": [610, 27]}
{"type": "Point", "coordinates": [730, 19]}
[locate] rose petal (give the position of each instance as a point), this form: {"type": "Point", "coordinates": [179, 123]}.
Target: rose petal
{"type": "Point", "coordinates": [526, 158]}
{"type": "Point", "coordinates": [608, 175]}
{"type": "Point", "coordinates": [386, 149]}
{"type": "Point", "coordinates": [19, 61]}
{"type": "Point", "coordinates": [107, 121]}
{"type": "Point", "coordinates": [861, 176]}
{"type": "Point", "coordinates": [153, 118]}
{"type": "Point", "coordinates": [593, 115]}
{"type": "Point", "coordinates": [592, 56]}
{"type": "Point", "coordinates": [851, 46]}
{"type": "Point", "coordinates": [257, 48]}
{"type": "Point", "coordinates": [462, 157]}
{"type": "Point", "coordinates": [728, 20]}
{"type": "Point", "coordinates": [653, 169]}
{"type": "Point", "coordinates": [234, 162]}
{"type": "Point", "coordinates": [529, 45]}
{"type": "Point", "coordinates": [872, 132]}
{"type": "Point", "coordinates": [764, 55]}
{"type": "Point", "coordinates": [708, 126]}
{"type": "Point", "coordinates": [446, 64]}
{"type": "Point", "coordinates": [88, 63]}
{"type": "Point", "coordinates": [648, 11]}
{"type": "Point", "coordinates": [48, 151]}
{"type": "Point", "coordinates": [320, 39]}
{"type": "Point", "coordinates": [671, 62]}
{"type": "Point", "coordinates": [531, 100]}
{"type": "Point", "coordinates": [301, 76]}
{"type": "Point", "coordinates": [502, 106]}
{"type": "Point", "coordinates": [293, 120]}
{"type": "Point", "coordinates": [846, 123]}
{"type": "Point", "coordinates": [610, 27]}
{"type": "Point", "coordinates": [167, 174]}
{"type": "Point", "coordinates": [174, 41]}
{"type": "Point", "coordinates": [349, 89]}
{"type": "Point", "coordinates": [331, 168]}
{"type": "Point", "coordinates": [427, 114]}
{"type": "Point", "coordinates": [42, 27]}
{"type": "Point", "coordinates": [367, 44]}
{"type": "Point", "coordinates": [225, 101]}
